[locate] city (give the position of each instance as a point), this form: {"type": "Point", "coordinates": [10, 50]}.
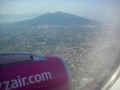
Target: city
{"type": "Point", "coordinates": [87, 50]}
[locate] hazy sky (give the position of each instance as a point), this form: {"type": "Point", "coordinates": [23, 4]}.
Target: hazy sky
{"type": "Point", "coordinates": [94, 9]}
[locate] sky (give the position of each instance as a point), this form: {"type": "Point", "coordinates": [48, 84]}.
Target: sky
{"type": "Point", "coordinates": [93, 9]}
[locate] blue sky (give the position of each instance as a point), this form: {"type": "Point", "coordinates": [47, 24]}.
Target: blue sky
{"type": "Point", "coordinates": [93, 9]}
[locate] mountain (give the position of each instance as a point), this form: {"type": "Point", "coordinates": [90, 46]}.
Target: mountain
{"type": "Point", "coordinates": [59, 19]}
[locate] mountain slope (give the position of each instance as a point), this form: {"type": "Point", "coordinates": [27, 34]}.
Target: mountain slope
{"type": "Point", "coordinates": [59, 19]}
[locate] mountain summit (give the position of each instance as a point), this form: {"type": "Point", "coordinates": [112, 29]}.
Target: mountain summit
{"type": "Point", "coordinates": [59, 19]}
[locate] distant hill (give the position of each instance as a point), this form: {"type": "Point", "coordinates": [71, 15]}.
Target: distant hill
{"type": "Point", "coordinates": [59, 19]}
